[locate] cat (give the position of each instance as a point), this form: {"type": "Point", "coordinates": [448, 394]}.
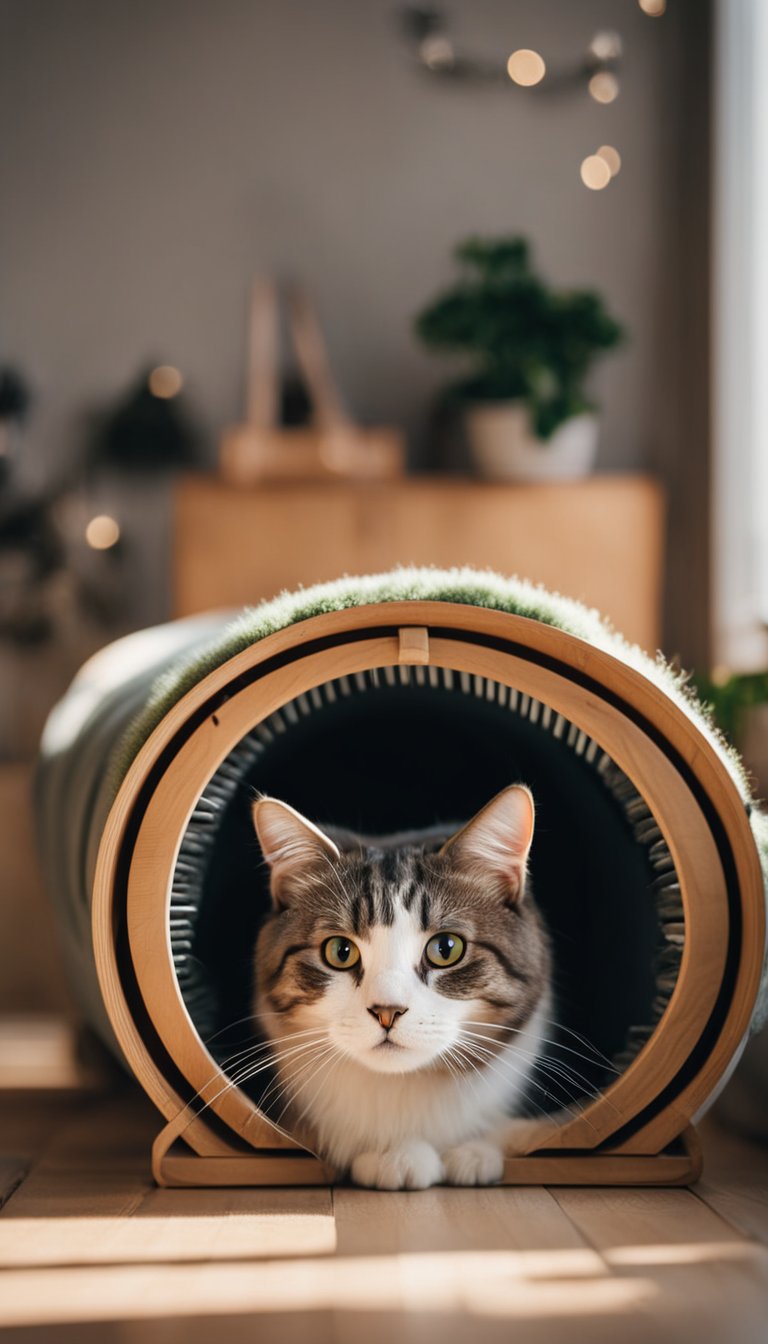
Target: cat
{"type": "Point", "coordinates": [404, 983]}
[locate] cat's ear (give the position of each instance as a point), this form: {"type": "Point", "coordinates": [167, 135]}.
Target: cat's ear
{"type": "Point", "coordinates": [496, 842]}
{"type": "Point", "coordinates": [291, 845]}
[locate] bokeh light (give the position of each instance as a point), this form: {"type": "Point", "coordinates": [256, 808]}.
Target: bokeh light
{"type": "Point", "coordinates": [437, 52]}
{"type": "Point", "coordinates": [102, 532]}
{"type": "Point", "coordinates": [595, 172]}
{"type": "Point", "coordinates": [604, 86]}
{"type": "Point", "coordinates": [612, 157]}
{"type": "Point", "coordinates": [526, 67]}
{"type": "Point", "coordinates": [165, 382]}
{"type": "Point", "coordinates": [606, 46]}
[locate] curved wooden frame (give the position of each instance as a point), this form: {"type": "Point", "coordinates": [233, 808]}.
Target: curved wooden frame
{"type": "Point", "coordinates": [672, 765]}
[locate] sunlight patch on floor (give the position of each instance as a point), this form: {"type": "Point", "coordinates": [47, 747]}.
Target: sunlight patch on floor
{"type": "Point", "coordinates": [510, 1284]}
{"type": "Point", "coordinates": [688, 1253]}
{"type": "Point", "coordinates": [141, 1239]}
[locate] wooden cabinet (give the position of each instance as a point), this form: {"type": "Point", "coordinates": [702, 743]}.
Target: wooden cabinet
{"type": "Point", "coordinates": [599, 540]}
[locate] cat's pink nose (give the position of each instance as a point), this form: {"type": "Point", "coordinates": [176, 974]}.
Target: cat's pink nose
{"type": "Point", "coordinates": [386, 1013]}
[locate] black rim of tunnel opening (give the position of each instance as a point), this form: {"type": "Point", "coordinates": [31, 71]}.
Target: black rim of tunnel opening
{"type": "Point", "coordinates": [710, 1031]}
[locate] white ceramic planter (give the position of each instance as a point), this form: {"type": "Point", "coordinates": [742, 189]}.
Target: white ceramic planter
{"type": "Point", "coordinates": [504, 447]}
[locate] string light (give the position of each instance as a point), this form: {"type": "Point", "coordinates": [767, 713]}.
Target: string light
{"type": "Point", "coordinates": [165, 382]}
{"type": "Point", "coordinates": [610, 156]}
{"type": "Point", "coordinates": [102, 532]}
{"type": "Point", "coordinates": [437, 52]}
{"type": "Point", "coordinates": [597, 68]}
{"type": "Point", "coordinates": [606, 46]}
{"type": "Point", "coordinates": [526, 67]}
{"type": "Point", "coordinates": [653, 8]}
{"type": "Point", "coordinates": [603, 86]}
{"type": "Point", "coordinates": [595, 172]}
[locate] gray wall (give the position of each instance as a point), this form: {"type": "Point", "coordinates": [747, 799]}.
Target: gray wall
{"type": "Point", "coordinates": [158, 152]}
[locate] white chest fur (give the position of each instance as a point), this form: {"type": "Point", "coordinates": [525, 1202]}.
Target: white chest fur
{"type": "Point", "coordinates": [352, 1109]}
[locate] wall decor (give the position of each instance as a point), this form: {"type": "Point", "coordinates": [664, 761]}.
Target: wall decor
{"type": "Point", "coordinates": [329, 444]}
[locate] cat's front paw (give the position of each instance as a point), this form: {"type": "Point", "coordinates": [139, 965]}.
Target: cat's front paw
{"type": "Point", "coordinates": [411, 1166]}
{"type": "Point", "coordinates": [475, 1163]}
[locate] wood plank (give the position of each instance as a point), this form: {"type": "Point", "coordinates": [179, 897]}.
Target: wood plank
{"type": "Point", "coordinates": [110, 1126]}
{"type": "Point", "coordinates": [177, 1171]}
{"type": "Point", "coordinates": [526, 1219]}
{"type": "Point", "coordinates": [90, 1199]}
{"type": "Point", "coordinates": [12, 1173]}
{"type": "Point", "coordinates": [708, 1281]}
{"type": "Point", "coordinates": [93, 1169]}
{"type": "Point", "coordinates": [278, 1327]}
{"type": "Point", "coordinates": [467, 1264]}
{"type": "Point", "coordinates": [603, 1217]}
{"type": "Point", "coordinates": [543, 1266]}
{"type": "Point", "coordinates": [735, 1180]}
{"type": "Point", "coordinates": [181, 1168]}
{"type": "Point", "coordinates": [452, 1296]}
{"type": "Point", "coordinates": [29, 1122]}
{"type": "Point", "coordinates": [118, 1221]}
{"type": "Point", "coordinates": [442, 1262]}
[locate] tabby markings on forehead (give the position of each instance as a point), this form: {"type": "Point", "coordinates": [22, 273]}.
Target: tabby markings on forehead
{"type": "Point", "coordinates": [426, 909]}
{"type": "Point", "coordinates": [376, 885]}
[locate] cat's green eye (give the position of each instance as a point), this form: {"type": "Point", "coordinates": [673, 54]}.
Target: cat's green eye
{"type": "Point", "coordinates": [340, 953]}
{"type": "Point", "coordinates": [445, 949]}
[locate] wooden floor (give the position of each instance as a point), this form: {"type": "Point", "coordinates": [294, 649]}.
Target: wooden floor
{"type": "Point", "coordinates": [91, 1251]}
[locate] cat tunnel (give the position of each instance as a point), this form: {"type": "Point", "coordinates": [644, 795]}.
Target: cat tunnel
{"type": "Point", "coordinates": [393, 702]}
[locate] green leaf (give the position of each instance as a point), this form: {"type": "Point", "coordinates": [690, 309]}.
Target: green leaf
{"type": "Point", "coordinates": [523, 338]}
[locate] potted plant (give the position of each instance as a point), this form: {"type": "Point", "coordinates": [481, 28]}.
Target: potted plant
{"type": "Point", "coordinates": [527, 412]}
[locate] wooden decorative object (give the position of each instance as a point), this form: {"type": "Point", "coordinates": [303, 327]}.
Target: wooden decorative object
{"type": "Point", "coordinates": [637, 1131]}
{"type": "Point", "coordinates": [333, 446]}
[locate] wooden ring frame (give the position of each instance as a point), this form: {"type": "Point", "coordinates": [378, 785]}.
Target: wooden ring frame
{"type": "Point", "coordinates": [685, 784]}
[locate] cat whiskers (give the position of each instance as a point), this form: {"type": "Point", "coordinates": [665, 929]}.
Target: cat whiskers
{"type": "Point", "coordinates": [597, 1057]}
{"type": "Point", "coordinates": [249, 1017]}
{"type": "Point", "coordinates": [304, 1059]}
{"type": "Point", "coordinates": [554, 1067]}
{"type": "Point", "coordinates": [263, 1047]}
{"type": "Point", "coordinates": [491, 1061]}
{"type": "Point", "coordinates": [468, 1062]}
{"type": "Point", "coordinates": [251, 1070]}
{"type": "Point", "coordinates": [328, 1067]}
{"type": "Point", "coordinates": [499, 1064]}
{"type": "Point", "coordinates": [496, 1063]}
{"type": "Point", "coordinates": [465, 1067]}
{"type": "Point", "coordinates": [330, 1053]}
{"type": "Point", "coordinates": [279, 1058]}
{"type": "Point", "coordinates": [551, 1066]}
{"type": "Point", "coordinates": [256, 1052]}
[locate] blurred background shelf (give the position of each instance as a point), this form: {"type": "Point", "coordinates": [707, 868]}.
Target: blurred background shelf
{"type": "Point", "coordinates": [599, 540]}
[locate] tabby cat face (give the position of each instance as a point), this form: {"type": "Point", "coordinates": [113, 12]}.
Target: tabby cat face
{"type": "Point", "coordinates": [390, 945]}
